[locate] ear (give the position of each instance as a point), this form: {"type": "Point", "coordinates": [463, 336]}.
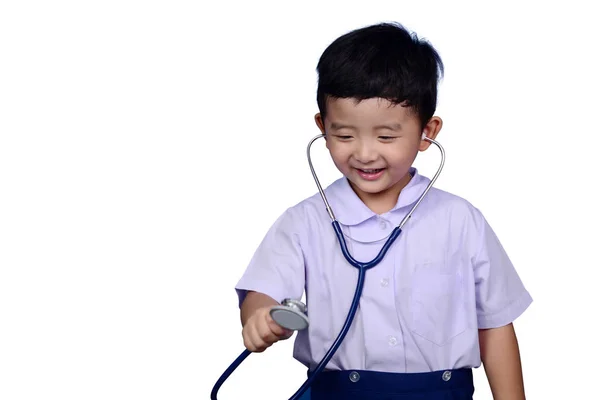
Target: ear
{"type": "Point", "coordinates": [320, 122]}
{"type": "Point", "coordinates": [431, 130]}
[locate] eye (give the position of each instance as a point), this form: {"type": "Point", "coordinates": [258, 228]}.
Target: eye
{"type": "Point", "coordinates": [343, 137]}
{"type": "Point", "coordinates": [387, 138]}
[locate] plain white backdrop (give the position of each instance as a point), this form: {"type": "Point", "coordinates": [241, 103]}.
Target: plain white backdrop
{"type": "Point", "coordinates": [146, 148]}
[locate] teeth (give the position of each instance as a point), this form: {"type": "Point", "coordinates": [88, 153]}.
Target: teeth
{"type": "Point", "coordinates": [369, 171]}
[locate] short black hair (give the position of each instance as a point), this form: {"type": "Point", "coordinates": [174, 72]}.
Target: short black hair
{"type": "Point", "coordinates": [385, 61]}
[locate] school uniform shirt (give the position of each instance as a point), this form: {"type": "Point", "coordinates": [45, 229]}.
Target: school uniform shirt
{"type": "Point", "coordinates": [446, 276]}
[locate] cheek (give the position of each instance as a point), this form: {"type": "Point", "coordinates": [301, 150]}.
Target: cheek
{"type": "Point", "coordinates": [401, 158]}
{"type": "Point", "coordinates": [340, 162]}
{"type": "Point", "coordinates": [338, 153]}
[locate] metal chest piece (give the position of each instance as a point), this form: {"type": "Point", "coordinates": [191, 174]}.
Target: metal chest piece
{"type": "Point", "coordinates": [291, 314]}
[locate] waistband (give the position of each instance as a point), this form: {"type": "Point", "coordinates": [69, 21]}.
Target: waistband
{"type": "Point", "coordinates": [454, 384]}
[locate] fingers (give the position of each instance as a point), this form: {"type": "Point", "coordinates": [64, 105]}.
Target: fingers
{"type": "Point", "coordinates": [261, 332]}
{"type": "Point", "coordinates": [252, 339]}
{"type": "Point", "coordinates": [257, 334]}
{"type": "Point", "coordinates": [265, 332]}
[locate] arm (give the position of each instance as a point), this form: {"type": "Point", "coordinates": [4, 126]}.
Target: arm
{"type": "Point", "coordinates": [502, 362]}
{"type": "Point", "coordinates": [252, 302]}
{"type": "Point", "coordinates": [276, 271]}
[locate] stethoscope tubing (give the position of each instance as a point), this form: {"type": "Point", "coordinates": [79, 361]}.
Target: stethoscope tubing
{"type": "Point", "coordinates": [361, 266]}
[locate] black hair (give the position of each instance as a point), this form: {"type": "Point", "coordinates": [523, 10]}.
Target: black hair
{"type": "Point", "coordinates": [385, 61]}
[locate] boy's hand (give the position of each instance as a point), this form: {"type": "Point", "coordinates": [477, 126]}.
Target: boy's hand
{"type": "Point", "coordinates": [260, 331]}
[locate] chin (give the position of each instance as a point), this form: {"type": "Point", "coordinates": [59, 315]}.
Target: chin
{"type": "Point", "coordinates": [374, 187]}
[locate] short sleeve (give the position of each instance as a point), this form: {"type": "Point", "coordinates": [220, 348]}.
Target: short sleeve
{"type": "Point", "coordinates": [500, 294]}
{"type": "Point", "coordinates": [277, 266]}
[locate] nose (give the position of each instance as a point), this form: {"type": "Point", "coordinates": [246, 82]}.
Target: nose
{"type": "Point", "coordinates": [365, 152]}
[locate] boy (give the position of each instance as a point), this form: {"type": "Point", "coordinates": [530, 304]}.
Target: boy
{"type": "Point", "coordinates": [443, 299]}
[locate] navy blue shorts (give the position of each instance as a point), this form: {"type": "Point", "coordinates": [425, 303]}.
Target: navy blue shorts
{"type": "Point", "coordinates": [371, 385]}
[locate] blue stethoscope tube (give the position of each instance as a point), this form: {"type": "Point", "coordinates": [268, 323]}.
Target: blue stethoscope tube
{"type": "Point", "coordinates": [361, 266]}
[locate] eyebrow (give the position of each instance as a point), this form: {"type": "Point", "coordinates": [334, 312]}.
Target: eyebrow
{"type": "Point", "coordinates": [393, 127]}
{"type": "Point", "coordinates": [337, 126]}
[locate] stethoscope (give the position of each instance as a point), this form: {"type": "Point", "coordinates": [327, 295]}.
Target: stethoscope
{"type": "Point", "coordinates": [291, 313]}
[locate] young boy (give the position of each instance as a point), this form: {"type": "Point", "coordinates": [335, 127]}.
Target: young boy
{"type": "Point", "coordinates": [443, 299]}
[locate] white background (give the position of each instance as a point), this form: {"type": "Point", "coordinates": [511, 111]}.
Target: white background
{"type": "Point", "coordinates": [146, 148]}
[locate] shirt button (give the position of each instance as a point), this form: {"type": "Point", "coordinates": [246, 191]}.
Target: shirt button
{"type": "Point", "coordinates": [385, 282]}
{"type": "Point", "coordinates": [382, 224]}
{"type": "Point", "coordinates": [392, 341]}
{"type": "Point", "coordinates": [354, 376]}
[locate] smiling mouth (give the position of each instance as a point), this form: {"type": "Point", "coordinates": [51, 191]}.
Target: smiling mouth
{"type": "Point", "coordinates": [371, 174]}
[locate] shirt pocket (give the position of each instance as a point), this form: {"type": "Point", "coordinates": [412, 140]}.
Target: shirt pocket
{"type": "Point", "coordinates": [438, 303]}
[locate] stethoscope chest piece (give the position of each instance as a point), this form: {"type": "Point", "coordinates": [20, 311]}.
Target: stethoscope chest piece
{"type": "Point", "coordinates": [291, 314]}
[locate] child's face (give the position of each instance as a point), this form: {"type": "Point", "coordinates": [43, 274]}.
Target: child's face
{"type": "Point", "coordinates": [374, 143]}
